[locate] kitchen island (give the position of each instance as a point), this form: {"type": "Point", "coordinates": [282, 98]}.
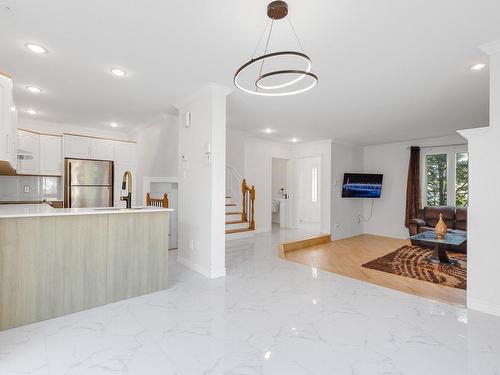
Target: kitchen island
{"type": "Point", "coordinates": [59, 261]}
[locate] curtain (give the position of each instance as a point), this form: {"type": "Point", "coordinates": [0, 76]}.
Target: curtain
{"type": "Point", "coordinates": [413, 192]}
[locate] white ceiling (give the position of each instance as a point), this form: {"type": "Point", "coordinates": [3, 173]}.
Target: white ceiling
{"type": "Point", "coordinates": [388, 70]}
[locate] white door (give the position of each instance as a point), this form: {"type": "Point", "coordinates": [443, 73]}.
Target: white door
{"type": "Point", "coordinates": [50, 155]}
{"type": "Point", "coordinates": [29, 143]}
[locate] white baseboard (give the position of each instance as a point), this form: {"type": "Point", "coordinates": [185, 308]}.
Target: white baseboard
{"type": "Point", "coordinates": [483, 306]}
{"type": "Point", "coordinates": [211, 274]}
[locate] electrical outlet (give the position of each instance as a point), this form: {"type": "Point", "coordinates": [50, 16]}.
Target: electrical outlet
{"type": "Point", "coordinates": [337, 225]}
{"type": "Point", "coordinates": [26, 189]}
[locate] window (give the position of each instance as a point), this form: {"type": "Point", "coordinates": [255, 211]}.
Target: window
{"type": "Point", "coordinates": [462, 179]}
{"type": "Point", "coordinates": [445, 176]}
{"type": "Point", "coordinates": [314, 185]}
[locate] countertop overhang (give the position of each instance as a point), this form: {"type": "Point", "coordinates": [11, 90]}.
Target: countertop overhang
{"type": "Point", "coordinates": [40, 210]}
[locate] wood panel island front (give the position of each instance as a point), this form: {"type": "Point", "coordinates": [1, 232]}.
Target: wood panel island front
{"type": "Point", "coordinates": [60, 261]}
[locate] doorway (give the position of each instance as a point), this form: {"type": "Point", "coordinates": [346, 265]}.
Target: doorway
{"type": "Point", "coordinates": [279, 193]}
{"type": "Point", "coordinates": [157, 189]}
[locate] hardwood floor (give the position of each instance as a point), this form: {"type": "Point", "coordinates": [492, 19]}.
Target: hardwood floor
{"type": "Point", "coordinates": [346, 256]}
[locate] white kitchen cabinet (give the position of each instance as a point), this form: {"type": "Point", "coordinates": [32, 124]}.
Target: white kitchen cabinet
{"type": "Point", "coordinates": [81, 147]}
{"type": "Point", "coordinates": [8, 123]}
{"type": "Point", "coordinates": [101, 149]}
{"type": "Point", "coordinates": [50, 155]}
{"type": "Point", "coordinates": [76, 147]}
{"type": "Point", "coordinates": [29, 147]}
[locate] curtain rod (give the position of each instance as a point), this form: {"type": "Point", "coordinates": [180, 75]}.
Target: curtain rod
{"type": "Point", "coordinates": [455, 144]}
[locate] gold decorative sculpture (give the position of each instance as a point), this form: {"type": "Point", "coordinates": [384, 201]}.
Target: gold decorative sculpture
{"type": "Point", "coordinates": [441, 228]}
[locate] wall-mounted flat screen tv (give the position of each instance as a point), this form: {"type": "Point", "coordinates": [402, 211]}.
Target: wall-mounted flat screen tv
{"type": "Point", "coordinates": [362, 185]}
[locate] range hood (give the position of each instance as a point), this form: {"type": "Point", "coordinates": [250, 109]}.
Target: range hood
{"type": "Point", "coordinates": [24, 155]}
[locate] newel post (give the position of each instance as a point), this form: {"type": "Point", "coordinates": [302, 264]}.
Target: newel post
{"type": "Point", "coordinates": [244, 189]}
{"type": "Point", "coordinates": [252, 206]}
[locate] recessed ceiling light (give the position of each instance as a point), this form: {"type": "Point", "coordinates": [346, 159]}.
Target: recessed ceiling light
{"type": "Point", "coordinates": [118, 72]}
{"type": "Point", "coordinates": [34, 89]}
{"type": "Point", "coordinates": [35, 48]}
{"type": "Point", "coordinates": [267, 355]}
{"type": "Point", "coordinates": [113, 124]}
{"type": "Point", "coordinates": [31, 111]}
{"type": "Point", "coordinates": [478, 66]}
{"type": "Point", "coordinates": [294, 140]}
{"type": "Point", "coordinates": [13, 109]}
{"type": "Point", "coordinates": [268, 131]}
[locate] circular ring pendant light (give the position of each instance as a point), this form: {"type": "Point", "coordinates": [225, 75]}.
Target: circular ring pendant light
{"type": "Point", "coordinates": [256, 77]}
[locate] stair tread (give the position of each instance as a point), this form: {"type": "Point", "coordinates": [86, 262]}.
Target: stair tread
{"type": "Point", "coordinates": [230, 231]}
{"type": "Point", "coordinates": [236, 222]}
{"type": "Point", "coordinates": [230, 204]}
{"type": "Point", "coordinates": [234, 213]}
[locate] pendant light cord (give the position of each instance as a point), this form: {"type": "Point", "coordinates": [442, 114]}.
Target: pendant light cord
{"type": "Point", "coordinates": [260, 39]}
{"type": "Point", "coordinates": [267, 46]}
{"type": "Point", "coordinates": [295, 33]}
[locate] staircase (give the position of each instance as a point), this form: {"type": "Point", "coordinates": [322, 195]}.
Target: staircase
{"type": "Point", "coordinates": [240, 219]}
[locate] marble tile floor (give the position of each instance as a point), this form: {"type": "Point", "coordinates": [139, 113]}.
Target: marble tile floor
{"type": "Point", "coordinates": [268, 316]}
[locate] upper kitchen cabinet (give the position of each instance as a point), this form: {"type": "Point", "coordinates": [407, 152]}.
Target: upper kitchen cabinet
{"type": "Point", "coordinates": [8, 123]}
{"type": "Point", "coordinates": [76, 147]}
{"type": "Point", "coordinates": [50, 155]}
{"type": "Point", "coordinates": [102, 149]}
{"type": "Point", "coordinates": [82, 147]}
{"type": "Point", "coordinates": [39, 154]}
{"type": "Point", "coordinates": [29, 152]}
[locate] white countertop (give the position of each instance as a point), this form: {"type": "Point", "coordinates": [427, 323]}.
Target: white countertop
{"type": "Point", "coordinates": [37, 210]}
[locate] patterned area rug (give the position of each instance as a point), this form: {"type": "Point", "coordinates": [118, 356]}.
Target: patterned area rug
{"type": "Point", "coordinates": [411, 261]}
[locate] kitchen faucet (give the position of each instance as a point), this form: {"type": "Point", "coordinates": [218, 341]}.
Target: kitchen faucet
{"type": "Point", "coordinates": [127, 183]}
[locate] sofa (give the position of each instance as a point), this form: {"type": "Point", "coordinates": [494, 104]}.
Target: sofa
{"type": "Point", "coordinates": [455, 219]}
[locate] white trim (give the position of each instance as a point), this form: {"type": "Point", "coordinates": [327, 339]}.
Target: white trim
{"type": "Point", "coordinates": [474, 132]}
{"type": "Point", "coordinates": [211, 274]}
{"type": "Point", "coordinates": [490, 48]}
{"type": "Point", "coordinates": [483, 306]}
{"type": "Point", "coordinates": [146, 184]}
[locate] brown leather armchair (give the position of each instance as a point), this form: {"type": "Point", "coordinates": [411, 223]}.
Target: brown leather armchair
{"type": "Point", "coordinates": [455, 219]}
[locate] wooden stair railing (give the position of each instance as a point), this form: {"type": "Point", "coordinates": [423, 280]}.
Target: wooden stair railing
{"type": "Point", "coordinates": [248, 204]}
{"type": "Point", "coordinates": [157, 202]}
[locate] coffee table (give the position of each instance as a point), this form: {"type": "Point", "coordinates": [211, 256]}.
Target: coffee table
{"type": "Point", "coordinates": [439, 255]}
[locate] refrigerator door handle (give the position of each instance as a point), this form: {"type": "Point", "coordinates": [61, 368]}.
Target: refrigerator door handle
{"type": "Point", "coordinates": [69, 184]}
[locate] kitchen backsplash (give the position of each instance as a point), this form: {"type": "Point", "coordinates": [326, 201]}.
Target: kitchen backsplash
{"type": "Point", "coordinates": [30, 188]}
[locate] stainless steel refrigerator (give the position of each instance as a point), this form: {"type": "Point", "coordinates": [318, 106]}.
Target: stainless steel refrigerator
{"type": "Point", "coordinates": [88, 183]}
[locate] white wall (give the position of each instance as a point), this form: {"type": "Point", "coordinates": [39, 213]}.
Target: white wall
{"type": "Point", "coordinates": [157, 151]}
{"type": "Point", "coordinates": [483, 259]}
{"type": "Point", "coordinates": [235, 145]}
{"type": "Point", "coordinates": [392, 161]}
{"type": "Point", "coordinates": [201, 192]}
{"type": "Point", "coordinates": [345, 211]}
